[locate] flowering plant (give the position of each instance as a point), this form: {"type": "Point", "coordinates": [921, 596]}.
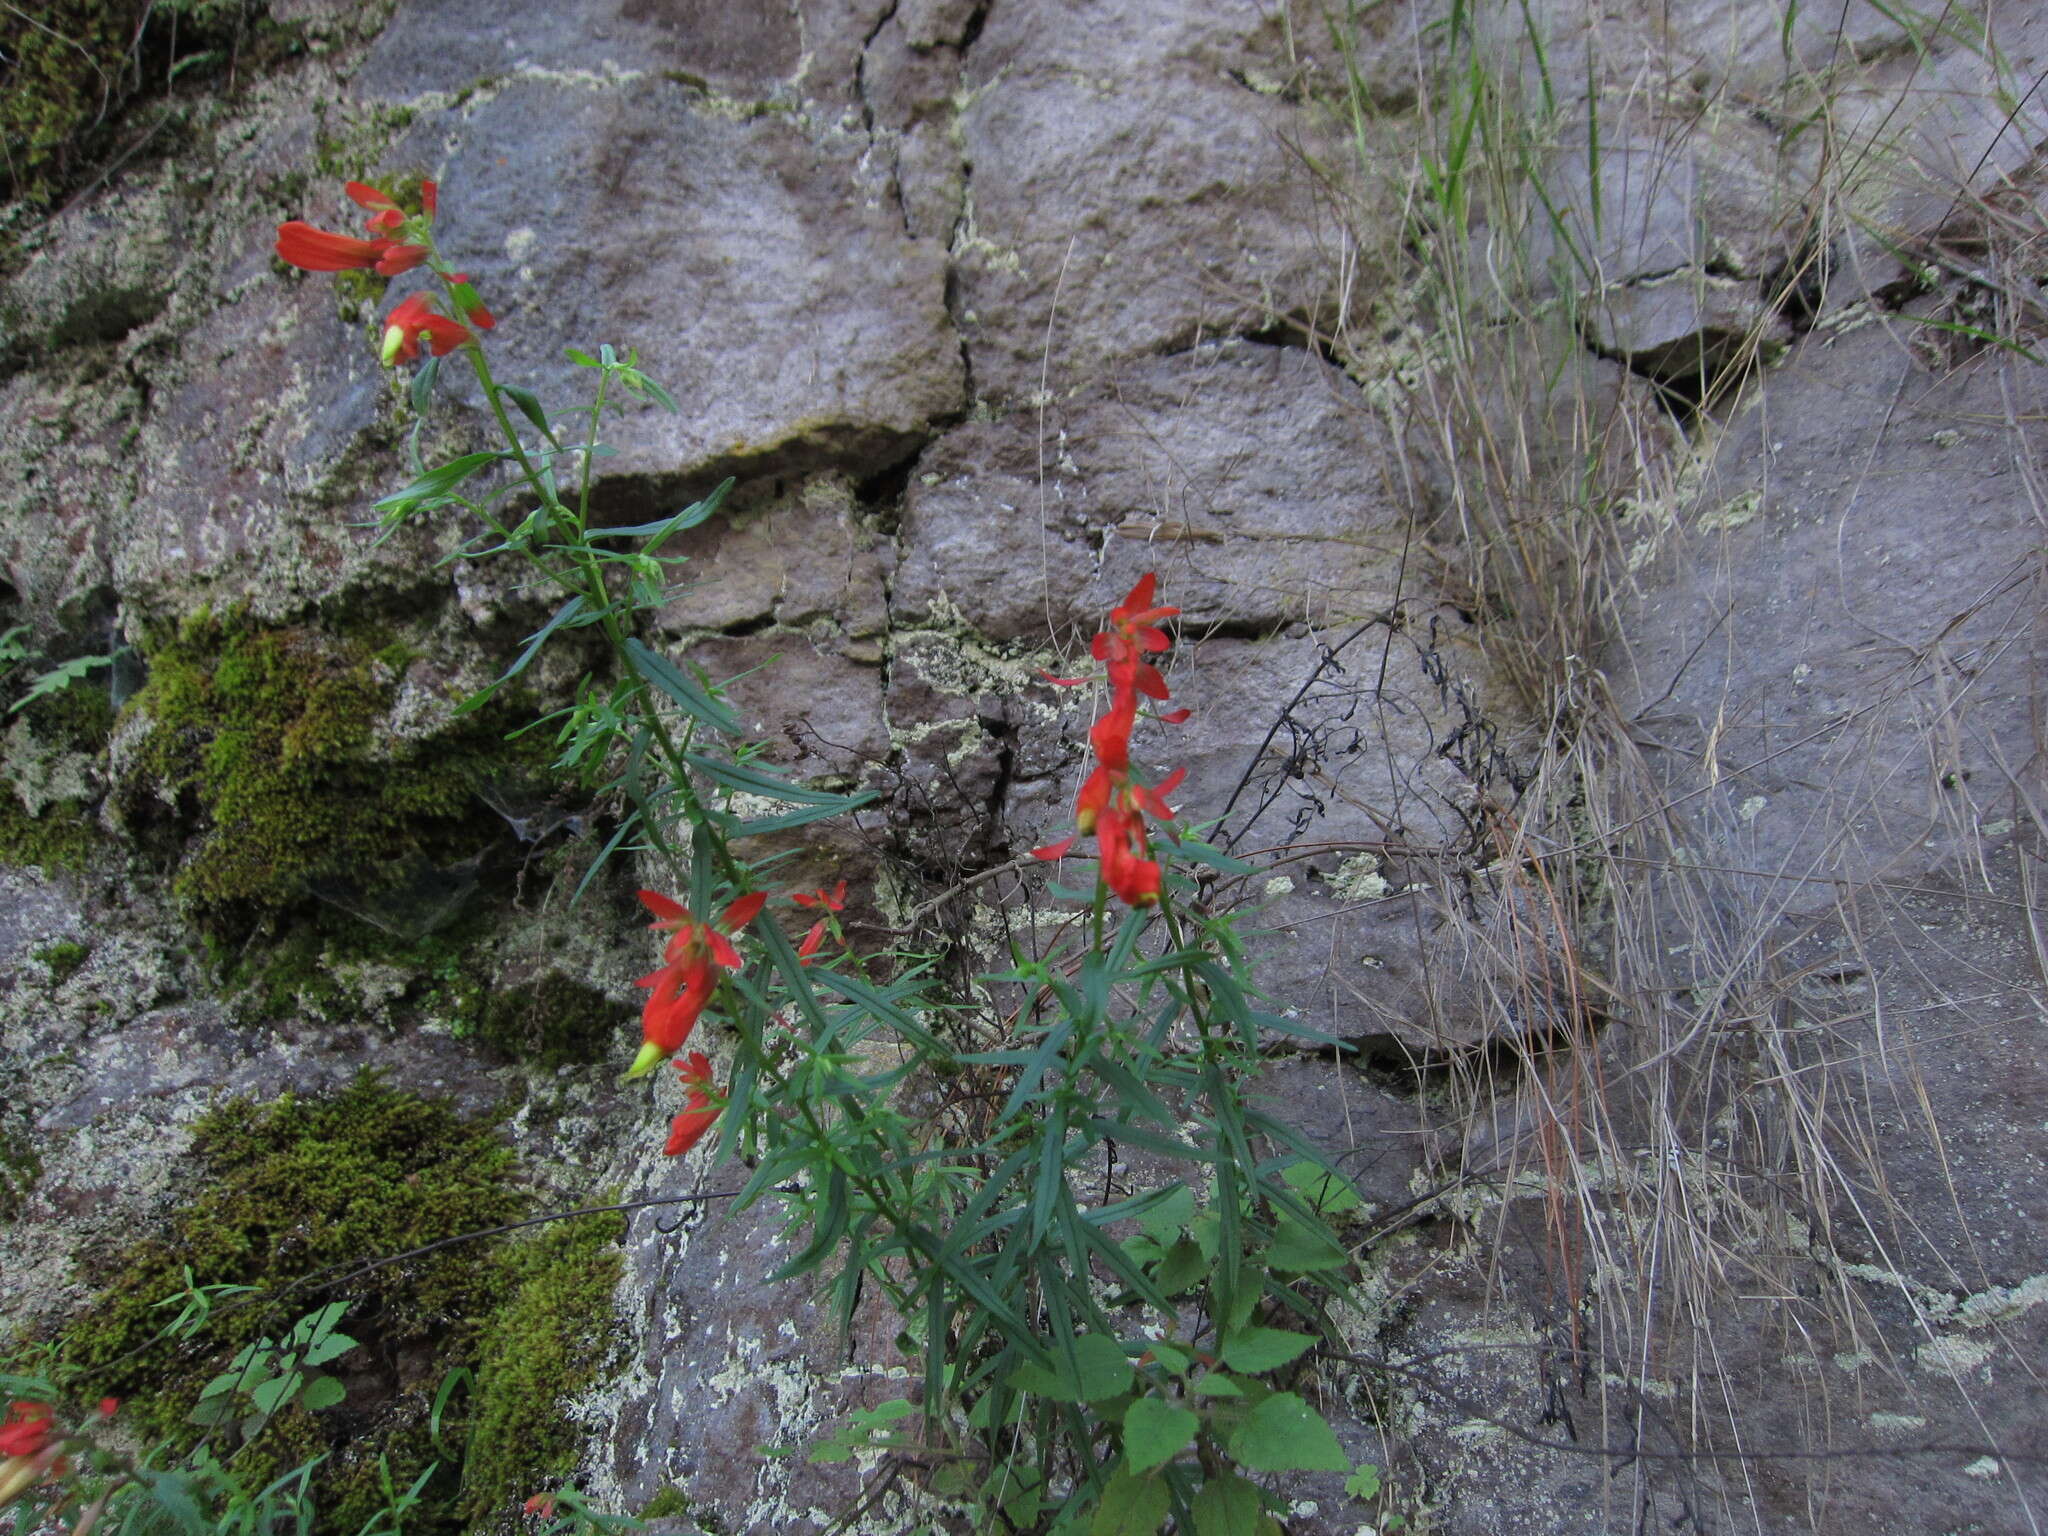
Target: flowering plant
{"type": "Point", "coordinates": [927, 1143]}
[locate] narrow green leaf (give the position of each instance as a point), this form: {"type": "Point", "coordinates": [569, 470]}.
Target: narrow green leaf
{"type": "Point", "coordinates": [694, 700]}
{"type": "Point", "coordinates": [751, 781]}
{"type": "Point", "coordinates": [529, 407]}
{"type": "Point", "coordinates": [1156, 1431]}
{"type": "Point", "coordinates": [438, 482]}
{"type": "Point", "coordinates": [1284, 1434]}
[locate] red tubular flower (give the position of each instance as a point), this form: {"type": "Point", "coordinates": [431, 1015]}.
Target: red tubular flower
{"type": "Point", "coordinates": [415, 321]}
{"type": "Point", "coordinates": [835, 902]}
{"type": "Point", "coordinates": [28, 1444]}
{"type": "Point", "coordinates": [1112, 805]}
{"type": "Point", "coordinates": [29, 1428]}
{"type": "Point", "coordinates": [430, 194]}
{"type": "Point", "coordinates": [1132, 634]}
{"type": "Point", "coordinates": [700, 1111]}
{"type": "Point", "coordinates": [693, 959]}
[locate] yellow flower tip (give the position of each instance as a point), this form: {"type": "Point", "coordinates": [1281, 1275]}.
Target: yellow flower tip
{"type": "Point", "coordinates": [650, 1057]}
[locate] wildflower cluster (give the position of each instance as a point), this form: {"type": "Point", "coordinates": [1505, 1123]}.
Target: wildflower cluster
{"type": "Point", "coordinates": [1113, 803]}
{"type": "Point", "coordinates": [414, 321]}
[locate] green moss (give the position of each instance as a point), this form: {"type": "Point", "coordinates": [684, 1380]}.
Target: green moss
{"type": "Point", "coordinates": [62, 837]}
{"type": "Point", "coordinates": [63, 832]}
{"type": "Point", "coordinates": [301, 1187]}
{"type": "Point", "coordinates": [557, 1021]}
{"type": "Point", "coordinates": [20, 1167]}
{"type": "Point", "coordinates": [546, 1343]}
{"type": "Point", "coordinates": [668, 1503]}
{"type": "Point", "coordinates": [265, 739]}
{"type": "Point", "coordinates": [72, 65]}
{"type": "Point", "coordinates": [64, 959]}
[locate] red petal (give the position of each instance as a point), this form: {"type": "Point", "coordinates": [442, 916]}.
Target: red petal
{"type": "Point", "coordinates": [694, 1069]}
{"type": "Point", "coordinates": [1150, 683]}
{"type": "Point", "coordinates": [688, 1128]}
{"type": "Point", "coordinates": [662, 907]}
{"type": "Point", "coordinates": [721, 949]}
{"type": "Point", "coordinates": [1141, 592]}
{"type": "Point", "coordinates": [365, 196]}
{"type": "Point", "coordinates": [300, 245]}
{"type": "Point", "coordinates": [812, 941]}
{"type": "Point", "coordinates": [1175, 716]}
{"type": "Point", "coordinates": [1061, 682]}
{"type": "Point", "coordinates": [1056, 850]}
{"type": "Point", "coordinates": [743, 912]}
{"type": "Point", "coordinates": [430, 194]}
{"type": "Point", "coordinates": [400, 258]}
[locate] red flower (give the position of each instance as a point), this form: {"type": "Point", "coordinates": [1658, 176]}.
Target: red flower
{"type": "Point", "coordinates": [700, 1111]}
{"type": "Point", "coordinates": [300, 245]}
{"type": "Point", "coordinates": [415, 321]}
{"type": "Point", "coordinates": [695, 955]}
{"type": "Point", "coordinates": [835, 902]}
{"type": "Point", "coordinates": [542, 1504]}
{"type": "Point", "coordinates": [1131, 635]}
{"type": "Point", "coordinates": [1112, 805]}
{"type": "Point", "coordinates": [813, 941]}
{"type": "Point", "coordinates": [29, 1428]}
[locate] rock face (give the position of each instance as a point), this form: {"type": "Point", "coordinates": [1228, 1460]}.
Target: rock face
{"type": "Point", "coordinates": [1610, 610]}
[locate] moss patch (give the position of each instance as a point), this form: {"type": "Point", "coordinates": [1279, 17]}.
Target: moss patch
{"type": "Point", "coordinates": [64, 959]}
{"type": "Point", "coordinates": [545, 1344]}
{"type": "Point", "coordinates": [72, 66]}
{"type": "Point", "coordinates": [301, 1187]}
{"type": "Point", "coordinates": [265, 741]}
{"type": "Point", "coordinates": [52, 761]}
{"type": "Point", "coordinates": [557, 1021]}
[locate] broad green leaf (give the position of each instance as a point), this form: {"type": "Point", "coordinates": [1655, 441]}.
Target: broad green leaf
{"type": "Point", "coordinates": [1131, 1506]}
{"type": "Point", "coordinates": [1327, 1192]}
{"type": "Point", "coordinates": [329, 1346]}
{"type": "Point", "coordinates": [276, 1392]}
{"type": "Point", "coordinates": [1227, 1506]}
{"type": "Point", "coordinates": [322, 1392]}
{"type": "Point", "coordinates": [1296, 1250]}
{"type": "Point", "coordinates": [1182, 1269]}
{"type": "Point", "coordinates": [1258, 1350]}
{"type": "Point", "coordinates": [1103, 1369]}
{"type": "Point", "coordinates": [1168, 1358]}
{"type": "Point", "coordinates": [1156, 1431]}
{"type": "Point", "coordinates": [1216, 1384]}
{"type": "Point", "coordinates": [1284, 1434]}
{"type": "Point", "coordinates": [1167, 1220]}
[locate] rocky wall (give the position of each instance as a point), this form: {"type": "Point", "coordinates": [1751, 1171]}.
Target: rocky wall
{"type": "Point", "coordinates": [989, 308]}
